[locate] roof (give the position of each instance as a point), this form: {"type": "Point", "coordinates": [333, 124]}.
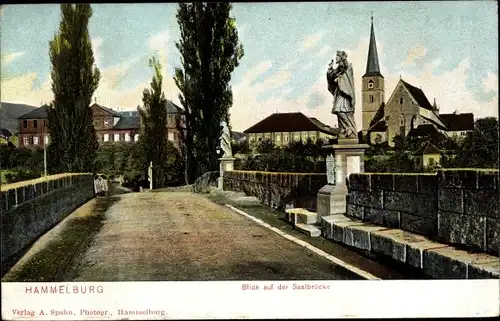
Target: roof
{"type": "Point", "coordinates": [127, 122]}
{"type": "Point", "coordinates": [39, 113]}
{"type": "Point", "coordinates": [372, 65]}
{"type": "Point", "coordinates": [379, 115]}
{"type": "Point", "coordinates": [418, 95]}
{"type": "Point", "coordinates": [5, 133]}
{"type": "Point", "coordinates": [108, 110]}
{"type": "Point", "coordinates": [173, 108]}
{"type": "Point", "coordinates": [380, 126]}
{"type": "Point", "coordinates": [427, 149]}
{"type": "Point", "coordinates": [423, 130]}
{"type": "Point", "coordinates": [290, 122]}
{"type": "Point", "coordinates": [458, 122]}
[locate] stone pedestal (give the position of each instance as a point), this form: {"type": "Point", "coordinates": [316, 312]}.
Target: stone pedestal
{"type": "Point", "coordinates": [349, 159]}
{"type": "Point", "coordinates": [226, 164]}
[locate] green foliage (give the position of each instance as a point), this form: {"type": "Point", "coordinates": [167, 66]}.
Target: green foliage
{"type": "Point", "coordinates": [74, 79]}
{"type": "Point", "coordinates": [210, 51]}
{"type": "Point", "coordinates": [128, 159]}
{"type": "Point", "coordinates": [296, 157]}
{"type": "Point", "coordinates": [481, 149]}
{"type": "Point", "coordinates": [154, 126]}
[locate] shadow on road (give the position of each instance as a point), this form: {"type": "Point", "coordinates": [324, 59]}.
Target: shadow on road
{"type": "Point", "coordinates": [58, 260]}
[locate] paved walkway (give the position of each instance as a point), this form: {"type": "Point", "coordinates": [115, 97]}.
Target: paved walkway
{"type": "Point", "coordinates": [184, 236]}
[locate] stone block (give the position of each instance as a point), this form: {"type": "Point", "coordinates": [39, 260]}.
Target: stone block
{"type": "Point", "coordinates": [370, 199]}
{"type": "Point", "coordinates": [427, 184]}
{"type": "Point", "coordinates": [457, 179]}
{"type": "Point", "coordinates": [481, 203]}
{"type": "Point", "coordinates": [487, 180]}
{"type": "Point", "coordinates": [383, 182]}
{"type": "Point", "coordinates": [339, 228]}
{"type": "Point", "coordinates": [393, 243]}
{"type": "Point", "coordinates": [360, 182]}
{"type": "Point", "coordinates": [328, 222]}
{"type": "Point", "coordinates": [20, 195]}
{"type": "Point", "coordinates": [39, 189]}
{"type": "Point", "coordinates": [11, 198]}
{"type": "Point", "coordinates": [3, 201]}
{"type": "Point", "coordinates": [443, 264]}
{"type": "Point", "coordinates": [29, 192]}
{"type": "Point", "coordinates": [419, 204]}
{"type": "Point", "coordinates": [451, 200]}
{"type": "Point", "coordinates": [386, 218]}
{"type": "Point", "coordinates": [309, 230]}
{"type": "Point", "coordinates": [462, 229]}
{"type": "Point", "coordinates": [358, 236]}
{"type": "Point", "coordinates": [415, 252]}
{"type": "Point", "coordinates": [489, 270]}
{"type": "Point", "coordinates": [420, 225]}
{"type": "Point", "coordinates": [406, 183]}
{"type": "Point", "coordinates": [493, 236]}
{"type": "Point", "coordinates": [355, 211]}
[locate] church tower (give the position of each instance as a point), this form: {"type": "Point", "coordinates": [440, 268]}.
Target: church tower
{"type": "Point", "coordinates": [373, 84]}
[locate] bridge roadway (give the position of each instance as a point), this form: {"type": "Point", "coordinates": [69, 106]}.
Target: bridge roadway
{"type": "Point", "coordinates": [166, 236]}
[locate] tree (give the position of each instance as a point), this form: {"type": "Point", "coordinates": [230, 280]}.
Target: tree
{"type": "Point", "coordinates": [73, 142]}
{"type": "Point", "coordinates": [481, 148]}
{"type": "Point", "coordinates": [153, 115]}
{"type": "Point", "coordinates": [210, 51]}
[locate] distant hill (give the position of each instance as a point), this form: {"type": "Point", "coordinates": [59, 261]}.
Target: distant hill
{"type": "Point", "coordinates": [9, 113]}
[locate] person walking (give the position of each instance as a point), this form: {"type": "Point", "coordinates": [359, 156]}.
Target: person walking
{"type": "Point", "coordinates": [97, 186]}
{"type": "Point", "coordinates": [104, 184]}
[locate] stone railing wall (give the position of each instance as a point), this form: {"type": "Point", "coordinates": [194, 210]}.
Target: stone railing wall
{"type": "Point", "coordinates": [30, 208]}
{"type": "Point", "coordinates": [456, 207]}
{"type": "Point", "coordinates": [275, 189]}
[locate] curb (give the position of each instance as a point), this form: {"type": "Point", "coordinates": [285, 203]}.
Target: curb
{"type": "Point", "coordinates": [302, 243]}
{"type": "Point", "coordinates": [437, 260]}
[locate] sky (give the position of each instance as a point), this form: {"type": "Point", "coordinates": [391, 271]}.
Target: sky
{"type": "Point", "coordinates": [449, 49]}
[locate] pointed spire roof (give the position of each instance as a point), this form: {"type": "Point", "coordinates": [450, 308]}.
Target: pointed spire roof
{"type": "Point", "coordinates": [372, 66]}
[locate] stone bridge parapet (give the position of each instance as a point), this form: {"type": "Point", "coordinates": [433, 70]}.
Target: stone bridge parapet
{"type": "Point", "coordinates": [455, 207]}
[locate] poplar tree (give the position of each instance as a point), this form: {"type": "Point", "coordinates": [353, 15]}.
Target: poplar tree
{"type": "Point", "coordinates": [73, 141]}
{"type": "Point", "coordinates": [210, 51]}
{"type": "Point", "coordinates": [153, 138]}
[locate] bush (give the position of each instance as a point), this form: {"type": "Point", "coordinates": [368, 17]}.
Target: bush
{"type": "Point", "coordinates": [21, 174]}
{"type": "Point", "coordinates": [282, 161]}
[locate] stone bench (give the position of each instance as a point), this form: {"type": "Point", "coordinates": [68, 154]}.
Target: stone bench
{"type": "Point", "coordinates": [301, 216]}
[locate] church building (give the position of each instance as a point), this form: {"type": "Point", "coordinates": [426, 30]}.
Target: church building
{"type": "Point", "coordinates": [406, 112]}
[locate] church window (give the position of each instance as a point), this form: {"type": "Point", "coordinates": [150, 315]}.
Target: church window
{"type": "Point", "coordinates": [370, 84]}
{"type": "Point", "coordinates": [372, 99]}
{"type": "Point", "coordinates": [401, 100]}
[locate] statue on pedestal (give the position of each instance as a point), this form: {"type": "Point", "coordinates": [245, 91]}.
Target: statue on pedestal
{"type": "Point", "coordinates": [340, 80]}
{"type": "Point", "coordinates": [225, 141]}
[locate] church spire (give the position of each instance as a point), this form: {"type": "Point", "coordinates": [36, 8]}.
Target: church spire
{"type": "Point", "coordinates": [372, 66]}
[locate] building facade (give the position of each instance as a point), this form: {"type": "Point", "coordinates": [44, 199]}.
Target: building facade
{"type": "Point", "coordinates": [284, 128]}
{"type": "Point", "coordinates": [110, 125]}
{"type": "Point", "coordinates": [406, 112]}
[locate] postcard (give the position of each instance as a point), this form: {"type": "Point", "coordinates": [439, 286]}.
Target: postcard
{"type": "Point", "coordinates": [249, 160]}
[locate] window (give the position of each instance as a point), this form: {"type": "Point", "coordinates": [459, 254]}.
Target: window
{"type": "Point", "coordinates": [46, 139]}
{"type": "Point", "coordinates": [402, 121]}
{"type": "Point", "coordinates": [35, 140]}
{"type": "Point", "coordinates": [127, 137]}
{"type": "Point", "coordinates": [117, 138]}
{"type": "Point", "coordinates": [431, 161]}
{"type": "Point", "coordinates": [106, 137]}
{"type": "Point", "coordinates": [370, 84]}
{"type": "Point", "coordinates": [136, 137]}
{"type": "Point", "coordinates": [372, 99]}
{"type": "Point", "coordinates": [401, 100]}
{"type": "Point", "coordinates": [286, 138]}
{"type": "Point", "coordinates": [25, 123]}
{"type": "Point", "coordinates": [106, 123]}
{"type": "Point", "coordinates": [35, 123]}
{"type": "Point", "coordinates": [278, 138]}
{"type": "Point", "coordinates": [26, 141]}
{"type": "Point", "coordinates": [171, 136]}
